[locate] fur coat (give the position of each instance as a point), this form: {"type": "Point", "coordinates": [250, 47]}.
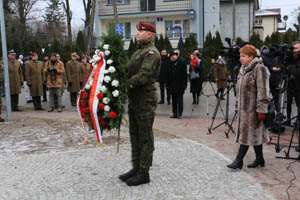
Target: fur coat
{"type": "Point", "coordinates": [252, 98]}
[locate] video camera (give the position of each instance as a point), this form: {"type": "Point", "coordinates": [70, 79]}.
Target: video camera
{"type": "Point", "coordinates": [285, 54]}
{"type": "Point", "coordinates": [52, 71]}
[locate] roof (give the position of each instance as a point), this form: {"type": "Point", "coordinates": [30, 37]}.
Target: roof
{"type": "Point", "coordinates": [268, 12]}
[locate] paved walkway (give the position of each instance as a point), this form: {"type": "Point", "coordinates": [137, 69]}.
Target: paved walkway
{"type": "Point", "coordinates": [182, 169]}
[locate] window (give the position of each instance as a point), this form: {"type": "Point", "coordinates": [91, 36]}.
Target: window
{"type": "Point", "coordinates": [126, 30]}
{"type": "Point", "coordinates": [147, 5]}
{"type": "Point", "coordinates": [184, 24]}
{"type": "Point", "coordinates": [109, 2]}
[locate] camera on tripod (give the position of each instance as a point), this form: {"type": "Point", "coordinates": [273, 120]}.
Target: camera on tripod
{"type": "Point", "coordinates": [52, 71]}
{"type": "Point", "coordinates": [285, 53]}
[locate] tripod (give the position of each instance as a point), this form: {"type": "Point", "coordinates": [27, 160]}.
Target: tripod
{"type": "Point", "coordinates": [287, 154]}
{"type": "Point", "coordinates": [226, 121]}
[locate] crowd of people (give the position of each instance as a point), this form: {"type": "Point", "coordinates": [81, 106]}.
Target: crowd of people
{"type": "Point", "coordinates": [38, 77]}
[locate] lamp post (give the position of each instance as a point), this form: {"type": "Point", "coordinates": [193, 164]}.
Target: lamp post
{"type": "Point", "coordinates": [5, 62]}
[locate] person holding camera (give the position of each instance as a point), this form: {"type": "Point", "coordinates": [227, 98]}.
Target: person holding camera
{"type": "Point", "coordinates": [294, 71]}
{"type": "Point", "coordinates": [34, 80]}
{"type": "Point", "coordinates": [54, 71]}
{"type": "Point", "coordinates": [252, 106]}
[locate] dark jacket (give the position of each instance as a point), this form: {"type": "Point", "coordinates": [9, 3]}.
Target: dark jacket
{"type": "Point", "coordinates": [270, 60]}
{"type": "Point", "coordinates": [163, 74]}
{"type": "Point", "coordinates": [196, 84]}
{"type": "Point", "coordinates": [177, 76]}
{"type": "Point", "coordinates": [294, 75]}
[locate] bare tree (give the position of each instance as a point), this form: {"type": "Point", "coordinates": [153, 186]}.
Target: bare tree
{"type": "Point", "coordinates": [91, 26]}
{"type": "Point", "coordinates": [69, 19]}
{"type": "Point", "coordinates": [87, 9]}
{"type": "Point", "coordinates": [115, 9]}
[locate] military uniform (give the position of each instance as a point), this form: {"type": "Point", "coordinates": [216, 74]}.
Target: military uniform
{"type": "Point", "coordinates": [15, 82]}
{"type": "Point", "coordinates": [143, 70]}
{"type": "Point", "coordinates": [34, 79]}
{"type": "Point", "coordinates": [73, 72]}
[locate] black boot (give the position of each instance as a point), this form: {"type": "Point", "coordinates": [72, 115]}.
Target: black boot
{"type": "Point", "coordinates": [259, 157]}
{"type": "Point", "coordinates": [139, 179]}
{"type": "Point", "coordinates": [238, 162]}
{"type": "Point", "coordinates": [129, 174]}
{"type": "Point", "coordinates": [194, 98]}
{"type": "Point", "coordinates": [161, 102]}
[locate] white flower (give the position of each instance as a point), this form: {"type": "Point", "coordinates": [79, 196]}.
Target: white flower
{"type": "Point", "coordinates": [105, 71]}
{"type": "Point", "coordinates": [106, 108]}
{"type": "Point", "coordinates": [115, 93]}
{"type": "Point", "coordinates": [106, 46]}
{"type": "Point", "coordinates": [107, 53]}
{"type": "Point", "coordinates": [103, 89]}
{"type": "Point", "coordinates": [111, 69]}
{"type": "Point", "coordinates": [87, 86]}
{"type": "Point", "coordinates": [115, 83]}
{"type": "Point", "coordinates": [106, 100]}
{"type": "Point", "coordinates": [107, 79]}
{"type": "Point", "coordinates": [109, 61]}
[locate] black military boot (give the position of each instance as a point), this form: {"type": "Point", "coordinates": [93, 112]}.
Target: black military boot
{"type": "Point", "coordinates": [238, 162]}
{"type": "Point", "coordinates": [129, 174]}
{"type": "Point", "coordinates": [139, 179]}
{"type": "Point", "coordinates": [259, 157]}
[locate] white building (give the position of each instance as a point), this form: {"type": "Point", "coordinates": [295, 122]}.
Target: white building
{"type": "Point", "coordinates": [193, 16]}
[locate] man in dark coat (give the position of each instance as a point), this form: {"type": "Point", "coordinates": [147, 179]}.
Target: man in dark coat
{"type": "Point", "coordinates": [162, 78]}
{"type": "Point", "coordinates": [143, 69]}
{"type": "Point", "coordinates": [271, 61]}
{"type": "Point", "coordinates": [177, 82]}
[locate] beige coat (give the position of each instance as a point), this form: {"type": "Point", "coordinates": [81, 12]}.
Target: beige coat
{"type": "Point", "coordinates": [74, 75]}
{"type": "Point", "coordinates": [221, 75]}
{"type": "Point", "coordinates": [34, 77]}
{"type": "Point", "coordinates": [85, 70]}
{"type": "Point", "coordinates": [252, 98]}
{"type": "Point", "coordinates": [15, 77]}
{"type": "Point", "coordinates": [57, 80]}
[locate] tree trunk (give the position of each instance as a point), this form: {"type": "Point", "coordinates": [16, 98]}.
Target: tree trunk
{"type": "Point", "coordinates": [91, 26]}
{"type": "Point", "coordinates": [69, 19]}
{"type": "Point", "coordinates": [115, 9]}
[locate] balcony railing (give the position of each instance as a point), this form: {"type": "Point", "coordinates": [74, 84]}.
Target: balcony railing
{"type": "Point", "coordinates": [143, 6]}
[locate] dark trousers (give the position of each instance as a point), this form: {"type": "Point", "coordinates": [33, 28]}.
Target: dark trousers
{"type": "Point", "coordinates": [44, 92]}
{"type": "Point", "coordinates": [73, 98]}
{"type": "Point", "coordinates": [290, 95]}
{"type": "Point", "coordinates": [141, 138]}
{"type": "Point", "coordinates": [177, 104]}
{"type": "Point", "coordinates": [162, 87]}
{"type": "Point", "coordinates": [37, 102]}
{"type": "Point", "coordinates": [276, 96]}
{"type": "Point", "coordinates": [14, 99]}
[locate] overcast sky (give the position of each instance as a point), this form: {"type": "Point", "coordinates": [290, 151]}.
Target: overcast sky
{"type": "Point", "coordinates": [287, 8]}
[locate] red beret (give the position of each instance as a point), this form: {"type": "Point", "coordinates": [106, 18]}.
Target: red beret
{"type": "Point", "coordinates": [34, 53]}
{"type": "Point", "coordinates": [145, 27]}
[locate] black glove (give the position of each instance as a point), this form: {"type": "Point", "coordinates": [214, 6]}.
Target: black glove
{"type": "Point", "coordinates": [70, 84]}
{"type": "Point", "coordinates": [65, 83]}
{"type": "Point", "coordinates": [29, 85]}
{"type": "Point", "coordinates": [81, 83]}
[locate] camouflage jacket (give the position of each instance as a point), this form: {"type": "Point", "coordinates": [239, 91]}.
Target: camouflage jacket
{"type": "Point", "coordinates": [143, 69]}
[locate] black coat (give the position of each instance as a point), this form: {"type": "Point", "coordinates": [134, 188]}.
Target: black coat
{"type": "Point", "coordinates": [177, 76]}
{"type": "Point", "coordinates": [196, 84]}
{"type": "Point", "coordinates": [294, 74]}
{"type": "Point", "coordinates": [271, 61]}
{"type": "Point", "coordinates": [163, 74]}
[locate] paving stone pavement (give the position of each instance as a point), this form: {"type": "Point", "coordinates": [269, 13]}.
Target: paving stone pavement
{"type": "Point", "coordinates": [182, 169]}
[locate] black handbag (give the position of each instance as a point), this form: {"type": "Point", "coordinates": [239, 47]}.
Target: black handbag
{"type": "Point", "coordinates": [270, 116]}
{"type": "Point", "coordinates": [194, 75]}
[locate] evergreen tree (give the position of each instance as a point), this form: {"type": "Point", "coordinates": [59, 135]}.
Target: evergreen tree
{"type": "Point", "coordinates": [207, 49]}
{"type": "Point", "coordinates": [276, 38]}
{"type": "Point", "coordinates": [256, 41]}
{"type": "Point", "coordinates": [161, 41]}
{"type": "Point", "coordinates": [287, 37]}
{"type": "Point", "coordinates": [156, 43]}
{"type": "Point", "coordinates": [80, 42]}
{"type": "Point", "coordinates": [132, 47]}
{"type": "Point", "coordinates": [239, 41]}
{"type": "Point", "coordinates": [267, 41]}
{"type": "Point", "coordinates": [167, 44]}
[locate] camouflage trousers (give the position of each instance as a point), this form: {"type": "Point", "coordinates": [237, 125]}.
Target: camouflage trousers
{"type": "Point", "coordinates": [141, 138]}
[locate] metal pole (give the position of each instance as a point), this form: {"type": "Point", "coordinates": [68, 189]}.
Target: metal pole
{"type": "Point", "coordinates": [233, 20]}
{"type": "Point", "coordinates": [5, 62]}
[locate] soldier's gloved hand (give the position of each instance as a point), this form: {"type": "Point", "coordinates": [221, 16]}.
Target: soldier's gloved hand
{"type": "Point", "coordinates": [261, 116]}
{"type": "Point", "coordinates": [70, 84]}
{"type": "Point", "coordinates": [81, 83]}
{"type": "Point", "coordinates": [29, 85]}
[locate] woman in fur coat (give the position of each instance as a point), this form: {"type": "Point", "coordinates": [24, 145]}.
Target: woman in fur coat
{"type": "Point", "coordinates": [252, 106]}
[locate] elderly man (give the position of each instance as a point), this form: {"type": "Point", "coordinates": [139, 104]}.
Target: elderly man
{"type": "Point", "coordinates": [143, 70]}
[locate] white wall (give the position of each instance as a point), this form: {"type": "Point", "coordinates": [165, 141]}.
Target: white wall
{"type": "Point", "coordinates": [211, 16]}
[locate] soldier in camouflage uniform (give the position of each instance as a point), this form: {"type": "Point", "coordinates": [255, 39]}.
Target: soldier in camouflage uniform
{"type": "Point", "coordinates": [143, 70]}
{"type": "Point", "coordinates": [1, 86]}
